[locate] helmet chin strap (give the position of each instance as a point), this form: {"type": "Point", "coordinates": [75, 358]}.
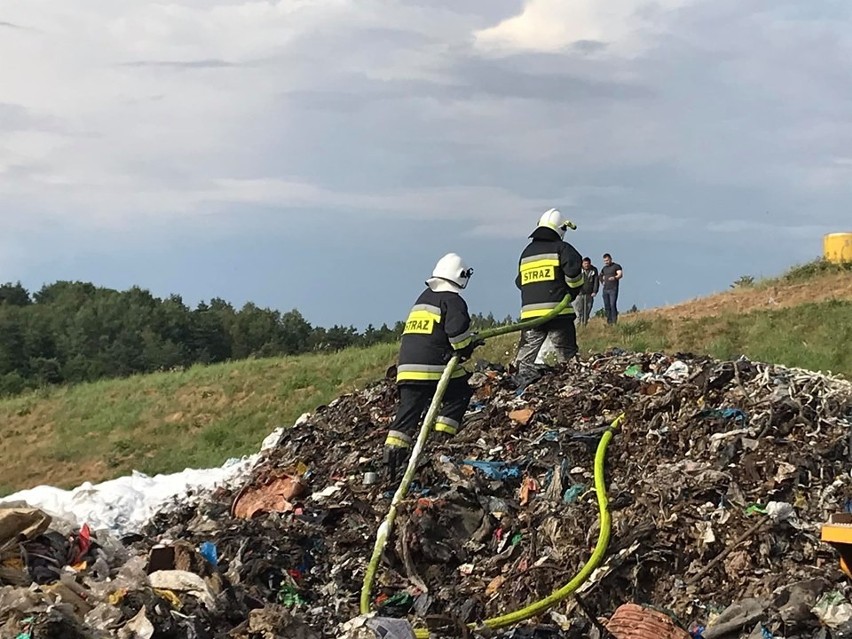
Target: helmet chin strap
{"type": "Point", "coordinates": [448, 281]}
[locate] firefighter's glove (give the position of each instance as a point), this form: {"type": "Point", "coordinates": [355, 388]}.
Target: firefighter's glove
{"type": "Point", "coordinates": [466, 352]}
{"type": "Point", "coordinates": [395, 457]}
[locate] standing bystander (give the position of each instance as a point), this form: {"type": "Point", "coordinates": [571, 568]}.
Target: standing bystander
{"type": "Point", "coordinates": [586, 297]}
{"type": "Point", "coordinates": [611, 274]}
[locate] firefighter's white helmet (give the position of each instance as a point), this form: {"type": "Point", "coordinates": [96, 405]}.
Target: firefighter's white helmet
{"type": "Point", "coordinates": [553, 219]}
{"type": "Point", "coordinates": [452, 268]}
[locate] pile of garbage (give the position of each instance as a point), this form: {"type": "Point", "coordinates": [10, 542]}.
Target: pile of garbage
{"type": "Point", "coordinates": [719, 480]}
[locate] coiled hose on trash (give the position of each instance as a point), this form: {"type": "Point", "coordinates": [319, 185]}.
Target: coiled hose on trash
{"type": "Point", "coordinates": [600, 489]}
{"type": "Point", "coordinates": [557, 596]}
{"type": "Point", "coordinates": [402, 490]}
{"type": "Point", "coordinates": [605, 523]}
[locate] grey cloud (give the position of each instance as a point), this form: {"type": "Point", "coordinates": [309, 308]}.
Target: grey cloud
{"type": "Point", "coordinates": [17, 27]}
{"type": "Point", "coordinates": [182, 64]}
{"type": "Point", "coordinates": [465, 78]}
{"type": "Point", "coordinates": [14, 117]}
{"type": "Point", "coordinates": [715, 121]}
{"type": "Point", "coordinates": [589, 46]}
{"type": "Point", "coordinates": [494, 10]}
{"type": "Point", "coordinates": [693, 162]}
{"type": "Point", "coordinates": [517, 77]}
{"type": "Point", "coordinates": [386, 36]}
{"type": "Point", "coordinates": [355, 91]}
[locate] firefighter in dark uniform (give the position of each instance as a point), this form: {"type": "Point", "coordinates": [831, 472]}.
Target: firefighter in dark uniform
{"type": "Point", "coordinates": [548, 270]}
{"type": "Point", "coordinates": [437, 327]}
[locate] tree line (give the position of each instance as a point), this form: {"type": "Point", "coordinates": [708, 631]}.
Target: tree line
{"type": "Point", "coordinates": [71, 332]}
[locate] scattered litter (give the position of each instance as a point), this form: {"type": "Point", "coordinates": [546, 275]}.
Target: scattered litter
{"type": "Point", "coordinates": [494, 469]}
{"type": "Point", "coordinates": [834, 610]}
{"type": "Point", "coordinates": [717, 485]}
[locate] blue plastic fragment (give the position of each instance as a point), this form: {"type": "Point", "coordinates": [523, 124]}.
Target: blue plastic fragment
{"type": "Point", "coordinates": [495, 470]}
{"type": "Point", "coordinates": [573, 493]}
{"type": "Point", "coordinates": [414, 489]}
{"type": "Point", "coordinates": [734, 414]}
{"type": "Point", "coordinates": [209, 551]}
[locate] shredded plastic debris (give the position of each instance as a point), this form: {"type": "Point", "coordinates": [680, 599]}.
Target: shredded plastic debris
{"type": "Point", "coordinates": [718, 484]}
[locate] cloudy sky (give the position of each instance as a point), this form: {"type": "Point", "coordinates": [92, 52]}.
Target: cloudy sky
{"type": "Point", "coordinates": [322, 154]}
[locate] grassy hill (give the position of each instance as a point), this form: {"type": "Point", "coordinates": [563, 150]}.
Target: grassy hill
{"type": "Point", "coordinates": [202, 416]}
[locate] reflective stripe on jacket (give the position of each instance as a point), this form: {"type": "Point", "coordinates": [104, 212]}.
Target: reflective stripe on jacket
{"type": "Point", "coordinates": [548, 270]}
{"type": "Point", "coordinates": [437, 326]}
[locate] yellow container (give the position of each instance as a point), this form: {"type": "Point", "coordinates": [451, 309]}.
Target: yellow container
{"type": "Point", "coordinates": [837, 247]}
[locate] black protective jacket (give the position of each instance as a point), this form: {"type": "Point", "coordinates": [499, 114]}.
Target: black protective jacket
{"type": "Point", "coordinates": [437, 326]}
{"type": "Point", "coordinates": [591, 281]}
{"type": "Point", "coordinates": [548, 270]}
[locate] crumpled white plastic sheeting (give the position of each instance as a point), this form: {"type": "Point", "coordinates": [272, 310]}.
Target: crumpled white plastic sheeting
{"type": "Point", "coordinates": [124, 505]}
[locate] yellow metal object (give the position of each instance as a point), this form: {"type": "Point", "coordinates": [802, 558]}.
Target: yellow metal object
{"type": "Point", "coordinates": [169, 596]}
{"type": "Point", "coordinates": [837, 247]}
{"type": "Point", "coordinates": [838, 533]}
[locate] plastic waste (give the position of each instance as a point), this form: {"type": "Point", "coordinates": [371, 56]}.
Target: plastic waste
{"type": "Point", "coordinates": [123, 505]}
{"type": "Point", "coordinates": [833, 609]}
{"type": "Point", "coordinates": [182, 581]}
{"type": "Point", "coordinates": [398, 605]}
{"type": "Point", "coordinates": [573, 493]}
{"type": "Point", "coordinates": [678, 371]}
{"type": "Point", "coordinates": [103, 616]}
{"type": "Point", "coordinates": [780, 511]}
{"type": "Point", "coordinates": [209, 551]}
{"type": "Point", "coordinates": [290, 597]}
{"type": "Point", "coordinates": [137, 628]}
{"type": "Point", "coordinates": [633, 371]}
{"type": "Point", "coordinates": [733, 414]}
{"type": "Point", "coordinates": [495, 469]}
{"type": "Point", "coordinates": [735, 617]}
{"type": "Point", "coordinates": [375, 627]}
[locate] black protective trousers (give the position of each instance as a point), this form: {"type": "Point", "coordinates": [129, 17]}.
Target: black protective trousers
{"type": "Point", "coordinates": [414, 399]}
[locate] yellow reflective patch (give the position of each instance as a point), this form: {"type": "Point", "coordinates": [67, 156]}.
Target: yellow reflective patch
{"type": "Point", "coordinates": [539, 263]}
{"type": "Point", "coordinates": [427, 376]}
{"type": "Point", "coordinates": [462, 344]}
{"type": "Point", "coordinates": [421, 323]}
{"type": "Point", "coordinates": [543, 270]}
{"type": "Point", "coordinates": [420, 326]}
{"type": "Point", "coordinates": [541, 312]}
{"type": "Point", "coordinates": [533, 275]}
{"type": "Point", "coordinates": [396, 442]}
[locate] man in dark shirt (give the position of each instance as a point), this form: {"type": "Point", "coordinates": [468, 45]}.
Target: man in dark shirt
{"type": "Point", "coordinates": [586, 298]}
{"type": "Point", "coordinates": [611, 273]}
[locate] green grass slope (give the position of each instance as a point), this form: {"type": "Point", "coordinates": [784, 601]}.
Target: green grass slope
{"type": "Point", "coordinates": [200, 417]}
{"type": "Point", "coordinates": [168, 421]}
{"type": "Point", "coordinates": [815, 336]}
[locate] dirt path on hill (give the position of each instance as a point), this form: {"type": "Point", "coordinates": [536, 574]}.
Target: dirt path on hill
{"type": "Point", "coordinates": [836, 286]}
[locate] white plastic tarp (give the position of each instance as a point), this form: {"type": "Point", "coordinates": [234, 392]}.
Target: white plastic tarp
{"type": "Point", "coordinates": [125, 504]}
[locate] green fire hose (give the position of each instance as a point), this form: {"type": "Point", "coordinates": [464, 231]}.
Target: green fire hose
{"type": "Point", "coordinates": [605, 523]}
{"type": "Point", "coordinates": [557, 596]}
{"type": "Point", "coordinates": [402, 490]}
